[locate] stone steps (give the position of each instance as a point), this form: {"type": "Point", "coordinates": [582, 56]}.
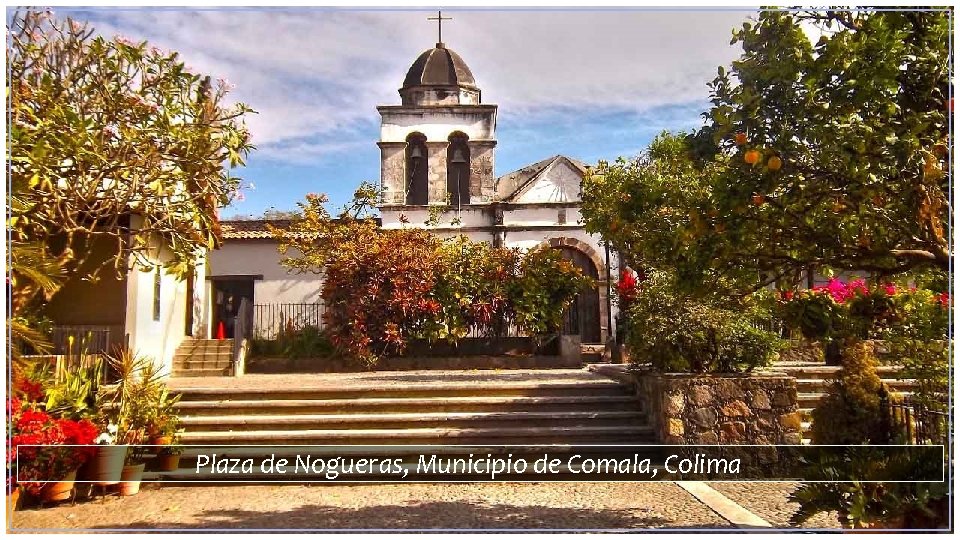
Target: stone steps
{"type": "Point", "coordinates": [410, 390]}
{"type": "Point", "coordinates": [203, 358]}
{"type": "Point", "coordinates": [399, 408]}
{"type": "Point", "coordinates": [253, 407]}
{"type": "Point", "coordinates": [401, 421]}
{"type": "Point", "coordinates": [500, 435]}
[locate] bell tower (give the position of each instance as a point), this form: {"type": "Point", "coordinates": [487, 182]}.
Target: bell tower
{"type": "Point", "coordinates": [437, 146]}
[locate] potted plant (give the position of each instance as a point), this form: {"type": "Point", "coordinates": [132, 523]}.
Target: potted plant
{"type": "Point", "coordinates": [132, 473]}
{"type": "Point", "coordinates": [168, 457]}
{"type": "Point", "coordinates": [163, 421]}
{"type": "Point", "coordinates": [48, 451]}
{"type": "Point", "coordinates": [107, 463]}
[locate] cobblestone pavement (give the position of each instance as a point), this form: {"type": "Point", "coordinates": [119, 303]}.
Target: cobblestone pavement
{"type": "Point", "coordinates": [769, 501]}
{"type": "Point", "coordinates": [390, 506]}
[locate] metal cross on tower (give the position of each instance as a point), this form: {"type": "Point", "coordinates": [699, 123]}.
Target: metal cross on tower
{"type": "Point", "coordinates": [439, 18]}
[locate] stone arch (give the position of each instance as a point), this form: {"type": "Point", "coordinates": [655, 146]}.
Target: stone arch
{"type": "Point", "coordinates": [416, 169]}
{"type": "Point", "coordinates": [602, 298]}
{"type": "Point", "coordinates": [458, 169]}
{"type": "Point", "coordinates": [580, 245]}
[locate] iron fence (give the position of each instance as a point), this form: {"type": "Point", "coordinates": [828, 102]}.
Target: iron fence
{"type": "Point", "coordinates": [75, 340]}
{"type": "Point", "coordinates": [271, 321]}
{"type": "Point", "coordinates": [920, 424]}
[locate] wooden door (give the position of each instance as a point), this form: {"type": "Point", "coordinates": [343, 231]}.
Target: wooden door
{"type": "Point", "coordinates": [583, 315]}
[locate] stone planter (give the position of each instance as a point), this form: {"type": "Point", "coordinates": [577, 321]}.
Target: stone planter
{"type": "Point", "coordinates": [59, 491]}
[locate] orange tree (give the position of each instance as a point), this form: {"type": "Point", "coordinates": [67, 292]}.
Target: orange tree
{"type": "Point", "coordinates": [110, 141]}
{"type": "Point", "coordinates": [831, 153]}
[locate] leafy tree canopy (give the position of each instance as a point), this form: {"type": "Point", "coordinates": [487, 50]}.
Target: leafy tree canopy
{"type": "Point", "coordinates": [825, 154]}
{"type": "Point", "coordinates": [116, 141]}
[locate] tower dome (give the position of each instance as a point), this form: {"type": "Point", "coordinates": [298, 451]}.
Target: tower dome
{"type": "Point", "coordinates": [439, 77]}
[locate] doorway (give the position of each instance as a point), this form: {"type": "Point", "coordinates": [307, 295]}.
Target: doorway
{"type": "Point", "coordinates": [583, 314]}
{"type": "Point", "coordinates": [227, 294]}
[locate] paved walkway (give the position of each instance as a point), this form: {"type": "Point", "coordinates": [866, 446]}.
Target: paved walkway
{"type": "Point", "coordinates": [569, 506]}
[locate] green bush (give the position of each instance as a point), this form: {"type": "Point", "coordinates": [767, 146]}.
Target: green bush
{"type": "Point", "coordinates": [307, 342]}
{"type": "Point", "coordinates": [855, 409]}
{"type": "Point", "coordinates": [676, 332]}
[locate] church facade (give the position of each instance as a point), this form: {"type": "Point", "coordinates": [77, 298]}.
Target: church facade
{"type": "Point", "coordinates": [437, 162]}
{"type": "Point", "coordinates": [437, 157]}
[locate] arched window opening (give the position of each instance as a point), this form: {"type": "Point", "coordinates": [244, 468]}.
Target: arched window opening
{"type": "Point", "coordinates": [458, 170]}
{"type": "Point", "coordinates": [416, 169]}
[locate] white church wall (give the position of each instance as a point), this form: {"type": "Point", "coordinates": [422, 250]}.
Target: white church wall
{"type": "Point", "coordinates": [470, 216]}
{"type": "Point", "coordinates": [278, 286]}
{"type": "Point", "coordinates": [156, 337]}
{"type": "Point", "coordinates": [437, 125]}
{"type": "Point", "coordinates": [559, 183]}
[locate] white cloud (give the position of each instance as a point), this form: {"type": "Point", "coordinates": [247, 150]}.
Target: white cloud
{"type": "Point", "coordinates": [314, 74]}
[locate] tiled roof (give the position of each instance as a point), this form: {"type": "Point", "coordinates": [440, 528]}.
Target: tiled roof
{"type": "Point", "coordinates": [255, 229]}
{"type": "Point", "coordinates": [251, 229]}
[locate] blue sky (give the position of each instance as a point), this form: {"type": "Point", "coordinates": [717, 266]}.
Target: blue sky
{"type": "Point", "coordinates": [589, 84]}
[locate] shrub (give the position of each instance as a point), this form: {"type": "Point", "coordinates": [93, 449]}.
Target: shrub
{"type": "Point", "coordinates": [677, 332]}
{"type": "Point", "coordinates": [384, 288]}
{"type": "Point", "coordinates": [854, 411]}
{"type": "Point", "coordinates": [546, 285]}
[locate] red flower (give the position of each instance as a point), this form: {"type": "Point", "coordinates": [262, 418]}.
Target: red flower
{"type": "Point", "coordinates": [627, 287]}
{"type": "Point", "coordinates": [943, 299]}
{"type": "Point", "coordinates": [890, 289]}
{"type": "Point", "coordinates": [786, 295]}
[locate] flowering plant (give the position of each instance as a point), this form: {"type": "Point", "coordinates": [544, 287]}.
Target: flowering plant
{"type": "Point", "coordinates": [43, 448]}
{"type": "Point", "coordinates": [627, 288]}
{"type": "Point", "coordinates": [853, 309]}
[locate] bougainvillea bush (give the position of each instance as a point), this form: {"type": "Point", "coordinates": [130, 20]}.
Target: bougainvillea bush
{"type": "Point", "coordinates": [855, 309]}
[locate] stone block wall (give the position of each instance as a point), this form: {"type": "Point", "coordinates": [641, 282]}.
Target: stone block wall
{"type": "Point", "coordinates": [721, 408]}
{"type": "Point", "coordinates": [803, 351]}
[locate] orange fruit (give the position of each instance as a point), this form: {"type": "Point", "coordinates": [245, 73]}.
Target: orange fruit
{"type": "Point", "coordinates": [774, 163]}
{"type": "Point", "coordinates": [740, 138]}
{"type": "Point", "coordinates": [752, 157]}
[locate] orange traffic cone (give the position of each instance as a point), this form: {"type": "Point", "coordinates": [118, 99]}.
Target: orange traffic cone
{"type": "Point", "coordinates": [221, 333]}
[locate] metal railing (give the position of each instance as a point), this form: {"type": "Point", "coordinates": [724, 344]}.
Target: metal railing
{"type": "Point", "coordinates": [86, 339]}
{"type": "Point", "coordinates": [920, 424]}
{"type": "Point", "coordinates": [242, 327]}
{"type": "Point", "coordinates": [271, 321]}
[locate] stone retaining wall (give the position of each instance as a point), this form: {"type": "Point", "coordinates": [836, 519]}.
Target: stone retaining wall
{"type": "Point", "coordinates": [721, 408]}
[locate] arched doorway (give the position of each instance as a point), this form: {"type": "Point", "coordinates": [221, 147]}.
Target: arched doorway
{"type": "Point", "coordinates": [583, 315]}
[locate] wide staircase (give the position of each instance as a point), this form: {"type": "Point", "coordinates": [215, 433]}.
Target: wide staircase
{"type": "Point", "coordinates": [813, 382]}
{"type": "Point", "coordinates": [203, 358]}
{"type": "Point", "coordinates": [478, 408]}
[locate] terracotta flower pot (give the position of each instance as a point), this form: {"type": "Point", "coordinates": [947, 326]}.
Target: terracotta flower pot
{"type": "Point", "coordinates": [130, 479]}
{"type": "Point", "coordinates": [163, 440]}
{"type": "Point", "coordinates": [106, 466]}
{"type": "Point", "coordinates": [13, 498]}
{"type": "Point", "coordinates": [59, 491]}
{"type": "Point", "coordinates": [168, 462]}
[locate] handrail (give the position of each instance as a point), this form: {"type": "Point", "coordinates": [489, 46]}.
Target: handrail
{"type": "Point", "coordinates": [242, 328]}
